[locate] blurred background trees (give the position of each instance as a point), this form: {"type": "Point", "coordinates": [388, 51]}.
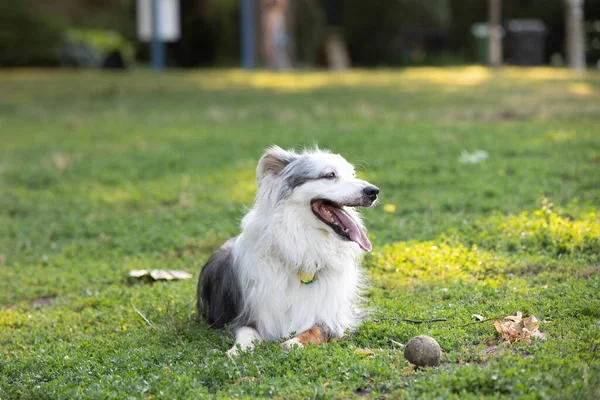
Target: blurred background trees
{"type": "Point", "coordinates": [376, 32]}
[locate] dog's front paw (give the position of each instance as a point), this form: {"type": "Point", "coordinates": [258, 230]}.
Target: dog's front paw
{"type": "Point", "coordinates": [293, 342]}
{"type": "Point", "coordinates": [233, 352]}
{"type": "Point", "coordinates": [238, 349]}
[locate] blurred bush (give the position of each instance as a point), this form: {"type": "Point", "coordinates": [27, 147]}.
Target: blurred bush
{"type": "Point", "coordinates": [210, 34]}
{"type": "Point", "coordinates": [391, 32]}
{"type": "Point", "coordinates": [29, 37]}
{"type": "Point", "coordinates": [224, 17]}
{"type": "Point", "coordinates": [592, 45]}
{"type": "Point", "coordinates": [308, 25]}
{"type": "Point", "coordinates": [89, 47]}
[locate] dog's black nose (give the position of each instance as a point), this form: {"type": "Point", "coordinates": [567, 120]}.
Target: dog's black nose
{"type": "Point", "coordinates": [371, 192]}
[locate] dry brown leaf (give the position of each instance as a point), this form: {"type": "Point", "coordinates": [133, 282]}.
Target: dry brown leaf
{"type": "Point", "coordinates": [531, 323]}
{"type": "Point", "coordinates": [160, 274]}
{"type": "Point", "coordinates": [180, 274]}
{"type": "Point", "coordinates": [365, 352]}
{"type": "Point", "coordinates": [515, 318]}
{"type": "Point", "coordinates": [138, 273]}
{"type": "Point", "coordinates": [514, 328]}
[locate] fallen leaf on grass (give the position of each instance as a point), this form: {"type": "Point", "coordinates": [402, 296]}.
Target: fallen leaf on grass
{"type": "Point", "coordinates": [160, 274]}
{"type": "Point", "coordinates": [514, 328]}
{"type": "Point", "coordinates": [365, 352]}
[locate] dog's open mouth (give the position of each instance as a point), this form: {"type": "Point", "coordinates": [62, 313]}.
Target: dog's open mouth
{"type": "Point", "coordinates": [341, 222]}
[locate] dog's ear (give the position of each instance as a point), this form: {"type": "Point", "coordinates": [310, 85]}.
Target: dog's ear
{"type": "Point", "coordinates": [273, 162]}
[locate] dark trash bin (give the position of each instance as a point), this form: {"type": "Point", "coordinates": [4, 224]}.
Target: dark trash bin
{"type": "Point", "coordinates": [526, 41]}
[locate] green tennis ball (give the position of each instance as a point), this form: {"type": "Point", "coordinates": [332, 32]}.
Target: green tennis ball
{"type": "Point", "coordinates": [423, 351]}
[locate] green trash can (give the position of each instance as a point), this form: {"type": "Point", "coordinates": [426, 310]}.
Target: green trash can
{"type": "Point", "coordinates": [481, 33]}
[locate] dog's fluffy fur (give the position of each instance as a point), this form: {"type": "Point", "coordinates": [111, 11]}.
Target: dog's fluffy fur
{"type": "Point", "coordinates": [302, 222]}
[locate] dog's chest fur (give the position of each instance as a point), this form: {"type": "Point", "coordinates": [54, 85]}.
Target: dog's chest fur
{"type": "Point", "coordinates": [268, 260]}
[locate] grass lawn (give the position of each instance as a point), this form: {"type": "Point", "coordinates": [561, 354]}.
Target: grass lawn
{"type": "Point", "coordinates": [104, 173]}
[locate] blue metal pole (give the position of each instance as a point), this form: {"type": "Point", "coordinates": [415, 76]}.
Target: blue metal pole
{"type": "Point", "coordinates": [158, 49]}
{"type": "Point", "coordinates": [247, 22]}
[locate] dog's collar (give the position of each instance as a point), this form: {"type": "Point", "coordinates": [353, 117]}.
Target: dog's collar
{"type": "Point", "coordinates": [306, 278]}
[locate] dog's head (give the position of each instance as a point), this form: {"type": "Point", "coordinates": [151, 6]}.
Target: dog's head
{"type": "Point", "coordinates": [320, 182]}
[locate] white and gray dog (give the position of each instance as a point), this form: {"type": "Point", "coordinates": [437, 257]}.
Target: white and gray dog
{"type": "Point", "coordinates": [295, 268]}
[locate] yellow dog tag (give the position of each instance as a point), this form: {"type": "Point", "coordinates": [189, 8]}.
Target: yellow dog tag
{"type": "Point", "coordinates": [306, 278]}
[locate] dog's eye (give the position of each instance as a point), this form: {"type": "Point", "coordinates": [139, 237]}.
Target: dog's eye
{"type": "Point", "coordinates": [330, 175]}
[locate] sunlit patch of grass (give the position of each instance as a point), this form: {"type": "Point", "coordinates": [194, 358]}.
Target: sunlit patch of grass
{"type": "Point", "coordinates": [456, 77]}
{"type": "Point", "coordinates": [561, 136]}
{"type": "Point", "coordinates": [553, 136]}
{"type": "Point", "coordinates": [488, 250]}
{"type": "Point", "coordinates": [293, 82]}
{"type": "Point", "coordinates": [546, 229]}
{"type": "Point", "coordinates": [581, 89]}
{"type": "Point", "coordinates": [542, 73]}
{"type": "Point", "coordinates": [405, 263]}
{"type": "Point", "coordinates": [465, 76]}
{"type": "Point", "coordinates": [11, 319]}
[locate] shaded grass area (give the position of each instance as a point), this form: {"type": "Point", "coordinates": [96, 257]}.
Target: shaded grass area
{"type": "Point", "coordinates": [104, 173]}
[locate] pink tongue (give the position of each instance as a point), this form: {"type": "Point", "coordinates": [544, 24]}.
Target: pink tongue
{"type": "Point", "coordinates": [357, 235]}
